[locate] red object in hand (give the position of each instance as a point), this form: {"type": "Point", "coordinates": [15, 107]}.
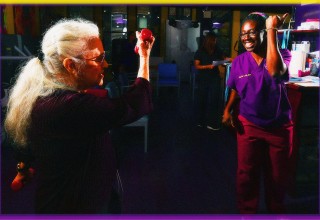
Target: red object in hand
{"type": "Point", "coordinates": [16, 185]}
{"type": "Point", "coordinates": [146, 35]}
{"type": "Point", "coordinates": [21, 179]}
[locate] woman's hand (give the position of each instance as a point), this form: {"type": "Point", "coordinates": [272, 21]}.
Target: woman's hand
{"type": "Point", "coordinates": [144, 46]}
{"type": "Point", "coordinates": [144, 50]}
{"type": "Point", "coordinates": [275, 21]}
{"type": "Point", "coordinates": [227, 119]}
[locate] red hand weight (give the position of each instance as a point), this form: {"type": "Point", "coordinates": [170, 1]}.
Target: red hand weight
{"type": "Point", "coordinates": [16, 185]}
{"type": "Point", "coordinates": [21, 179]}
{"type": "Point", "coordinates": [146, 35]}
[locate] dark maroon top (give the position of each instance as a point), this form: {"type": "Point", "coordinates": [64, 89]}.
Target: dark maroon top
{"type": "Point", "coordinates": [69, 137]}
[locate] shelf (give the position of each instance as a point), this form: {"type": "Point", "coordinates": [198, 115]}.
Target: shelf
{"type": "Point", "coordinates": [294, 31]}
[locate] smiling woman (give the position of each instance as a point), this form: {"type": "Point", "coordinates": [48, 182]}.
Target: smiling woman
{"type": "Point", "coordinates": [265, 128]}
{"type": "Point", "coordinates": [55, 116]}
{"type": "Point", "coordinates": [251, 33]}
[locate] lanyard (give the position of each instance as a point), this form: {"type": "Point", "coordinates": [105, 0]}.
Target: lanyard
{"type": "Point", "coordinates": [285, 39]}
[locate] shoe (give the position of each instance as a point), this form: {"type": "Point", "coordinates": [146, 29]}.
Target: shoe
{"type": "Point", "coordinates": [213, 129]}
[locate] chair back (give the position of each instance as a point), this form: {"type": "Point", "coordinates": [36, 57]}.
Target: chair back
{"type": "Point", "coordinates": [168, 71]}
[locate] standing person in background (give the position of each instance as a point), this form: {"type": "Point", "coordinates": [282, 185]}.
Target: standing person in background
{"type": "Point", "coordinates": [209, 83]}
{"type": "Point", "coordinates": [264, 143]}
{"type": "Point", "coordinates": [128, 65]}
{"type": "Point", "coordinates": [129, 59]}
{"type": "Point", "coordinates": [53, 112]}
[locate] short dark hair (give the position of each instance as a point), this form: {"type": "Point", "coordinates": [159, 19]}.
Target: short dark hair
{"type": "Point", "coordinates": [258, 17]}
{"type": "Point", "coordinates": [209, 42]}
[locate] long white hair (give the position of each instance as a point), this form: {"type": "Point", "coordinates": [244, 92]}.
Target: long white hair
{"type": "Point", "coordinates": [40, 77]}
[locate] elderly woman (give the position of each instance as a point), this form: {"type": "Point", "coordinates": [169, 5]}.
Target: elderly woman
{"type": "Point", "coordinates": [53, 112]}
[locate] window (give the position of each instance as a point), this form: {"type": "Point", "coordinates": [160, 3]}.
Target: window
{"type": "Point", "coordinates": [114, 26]}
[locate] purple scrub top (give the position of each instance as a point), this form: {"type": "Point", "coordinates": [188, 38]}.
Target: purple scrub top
{"type": "Point", "coordinates": [264, 99]}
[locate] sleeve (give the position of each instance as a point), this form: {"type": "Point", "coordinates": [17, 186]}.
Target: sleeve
{"type": "Point", "coordinates": [286, 56]}
{"type": "Point", "coordinates": [138, 99]}
{"type": "Point", "coordinates": [231, 80]}
{"type": "Point", "coordinates": [77, 114]}
{"type": "Point", "coordinates": [133, 104]}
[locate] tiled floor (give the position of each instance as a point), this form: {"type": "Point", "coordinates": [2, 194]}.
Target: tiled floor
{"type": "Point", "coordinates": [187, 169]}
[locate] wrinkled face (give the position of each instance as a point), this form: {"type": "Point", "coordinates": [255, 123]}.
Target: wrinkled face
{"type": "Point", "coordinates": [92, 72]}
{"type": "Point", "coordinates": [251, 37]}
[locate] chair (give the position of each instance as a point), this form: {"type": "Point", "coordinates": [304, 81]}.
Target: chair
{"type": "Point", "coordinates": [125, 80]}
{"type": "Point", "coordinates": [142, 122]}
{"type": "Point", "coordinates": [168, 76]}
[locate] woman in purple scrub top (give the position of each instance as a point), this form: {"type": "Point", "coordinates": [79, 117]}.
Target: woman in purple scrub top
{"type": "Point", "coordinates": [258, 77]}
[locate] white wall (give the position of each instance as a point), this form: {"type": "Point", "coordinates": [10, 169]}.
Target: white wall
{"type": "Point", "coordinates": [180, 47]}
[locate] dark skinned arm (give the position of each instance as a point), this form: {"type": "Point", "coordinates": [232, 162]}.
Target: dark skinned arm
{"type": "Point", "coordinates": [198, 66]}
{"type": "Point", "coordinates": [227, 116]}
{"type": "Point", "coordinates": [274, 61]}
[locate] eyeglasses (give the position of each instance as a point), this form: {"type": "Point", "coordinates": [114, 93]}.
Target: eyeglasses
{"type": "Point", "coordinates": [251, 33]}
{"type": "Point", "coordinates": [98, 59]}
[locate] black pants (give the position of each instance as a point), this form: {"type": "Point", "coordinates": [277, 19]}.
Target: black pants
{"type": "Point", "coordinates": [209, 100]}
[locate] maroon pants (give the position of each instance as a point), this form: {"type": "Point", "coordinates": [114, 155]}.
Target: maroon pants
{"type": "Point", "coordinates": [267, 152]}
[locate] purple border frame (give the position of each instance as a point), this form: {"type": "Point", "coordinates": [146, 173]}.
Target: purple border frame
{"type": "Point", "coordinates": [162, 217]}
{"type": "Point", "coordinates": [166, 216]}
